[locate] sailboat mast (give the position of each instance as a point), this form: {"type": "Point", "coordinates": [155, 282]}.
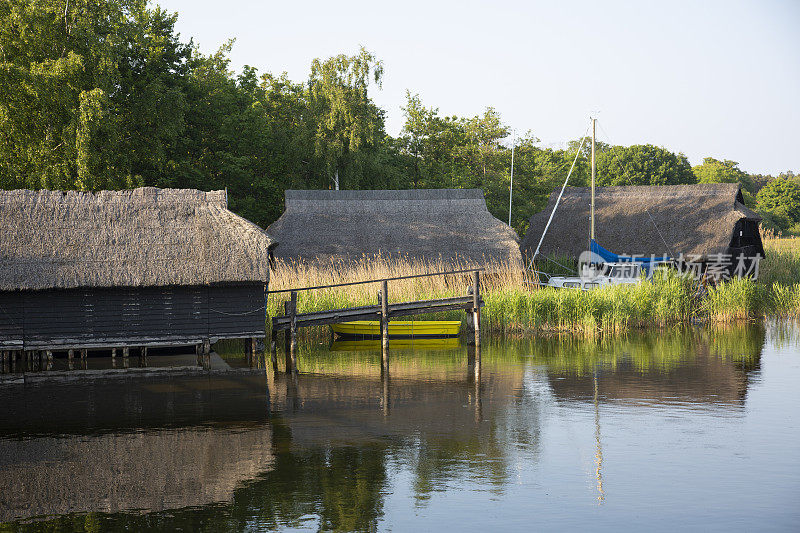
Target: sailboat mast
{"type": "Point", "coordinates": [594, 121]}
{"type": "Point", "coordinates": [511, 188]}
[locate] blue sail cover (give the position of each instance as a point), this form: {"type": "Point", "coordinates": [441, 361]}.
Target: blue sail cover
{"type": "Point", "coordinates": [611, 257]}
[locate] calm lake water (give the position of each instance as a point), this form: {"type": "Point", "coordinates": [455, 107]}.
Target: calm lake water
{"type": "Point", "coordinates": [681, 430]}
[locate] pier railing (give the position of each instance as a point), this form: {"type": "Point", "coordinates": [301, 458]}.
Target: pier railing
{"type": "Point", "coordinates": [291, 320]}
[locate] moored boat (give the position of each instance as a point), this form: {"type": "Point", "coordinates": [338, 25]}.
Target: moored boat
{"type": "Point", "coordinates": [402, 329]}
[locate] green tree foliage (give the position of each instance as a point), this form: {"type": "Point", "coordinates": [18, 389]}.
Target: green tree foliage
{"type": "Point", "coordinates": [347, 124]}
{"type": "Point", "coordinates": [103, 94]}
{"type": "Point", "coordinates": [715, 171]}
{"type": "Point", "coordinates": [642, 164]}
{"type": "Point", "coordinates": [779, 203]}
{"type": "Point", "coordinates": [90, 97]}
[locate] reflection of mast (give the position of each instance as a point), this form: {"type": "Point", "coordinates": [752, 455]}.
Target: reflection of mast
{"type": "Point", "coordinates": [598, 457]}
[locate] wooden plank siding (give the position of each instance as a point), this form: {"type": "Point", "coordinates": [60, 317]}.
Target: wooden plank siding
{"type": "Point", "coordinates": [152, 316]}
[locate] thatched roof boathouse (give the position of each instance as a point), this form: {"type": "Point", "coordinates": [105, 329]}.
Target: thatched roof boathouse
{"type": "Point", "coordinates": [423, 225]}
{"type": "Point", "coordinates": [143, 267]}
{"type": "Point", "coordinates": [695, 220]}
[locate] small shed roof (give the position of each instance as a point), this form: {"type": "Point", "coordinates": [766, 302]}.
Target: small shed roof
{"type": "Point", "coordinates": [672, 219]}
{"type": "Point", "coordinates": [421, 224]}
{"type": "Point", "coordinates": [132, 238]}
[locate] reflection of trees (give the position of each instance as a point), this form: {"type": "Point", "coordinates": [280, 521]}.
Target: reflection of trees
{"type": "Point", "coordinates": [342, 485]}
{"type": "Point", "coordinates": [648, 352]}
{"type": "Point", "coordinates": [333, 446]}
{"type": "Point", "coordinates": [442, 424]}
{"type": "Point", "coordinates": [703, 366]}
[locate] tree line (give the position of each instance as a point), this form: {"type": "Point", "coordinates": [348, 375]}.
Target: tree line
{"type": "Point", "coordinates": [103, 94]}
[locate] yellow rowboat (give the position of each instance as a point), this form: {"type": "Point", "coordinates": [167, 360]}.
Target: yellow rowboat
{"type": "Point", "coordinates": [399, 329]}
{"type": "Point", "coordinates": [396, 344]}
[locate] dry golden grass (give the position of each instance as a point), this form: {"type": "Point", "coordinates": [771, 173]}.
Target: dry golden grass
{"type": "Point", "coordinates": [514, 305]}
{"type": "Point", "coordinates": [773, 243]}
{"type": "Point", "coordinates": [292, 275]}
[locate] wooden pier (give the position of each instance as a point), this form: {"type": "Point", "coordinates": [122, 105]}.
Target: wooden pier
{"type": "Point", "coordinates": [383, 312]}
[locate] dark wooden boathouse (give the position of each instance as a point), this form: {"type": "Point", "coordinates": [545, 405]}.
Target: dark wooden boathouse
{"type": "Point", "coordinates": [143, 267]}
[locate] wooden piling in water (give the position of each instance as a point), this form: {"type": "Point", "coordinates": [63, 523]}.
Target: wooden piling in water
{"type": "Point", "coordinates": [273, 351]}
{"type": "Point", "coordinates": [286, 333]}
{"type": "Point", "coordinates": [293, 331]}
{"type": "Point", "coordinates": [476, 312]}
{"type": "Point", "coordinates": [385, 323]}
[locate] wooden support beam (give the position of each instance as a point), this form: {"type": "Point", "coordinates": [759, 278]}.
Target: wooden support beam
{"type": "Point", "coordinates": [476, 312]}
{"type": "Point", "coordinates": [386, 398]}
{"type": "Point", "coordinates": [273, 351]}
{"type": "Point", "coordinates": [385, 323]}
{"type": "Point", "coordinates": [286, 343]}
{"type": "Point", "coordinates": [293, 331]}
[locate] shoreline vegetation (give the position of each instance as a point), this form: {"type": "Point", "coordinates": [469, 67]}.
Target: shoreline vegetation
{"type": "Point", "coordinates": [515, 305]}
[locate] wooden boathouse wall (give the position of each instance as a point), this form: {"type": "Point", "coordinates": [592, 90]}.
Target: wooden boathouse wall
{"type": "Point", "coordinates": [135, 268]}
{"type": "Point", "coordinates": [156, 316]}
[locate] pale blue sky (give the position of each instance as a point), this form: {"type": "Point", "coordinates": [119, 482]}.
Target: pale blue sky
{"type": "Point", "coordinates": [716, 78]}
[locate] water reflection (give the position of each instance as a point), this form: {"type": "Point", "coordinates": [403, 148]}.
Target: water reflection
{"type": "Point", "coordinates": [343, 443]}
{"type": "Point", "coordinates": [694, 367]}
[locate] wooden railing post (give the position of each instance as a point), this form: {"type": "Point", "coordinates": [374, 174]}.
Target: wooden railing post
{"type": "Point", "coordinates": [476, 308]}
{"type": "Point", "coordinates": [293, 331]}
{"type": "Point", "coordinates": [476, 316]}
{"type": "Point", "coordinates": [385, 323]}
{"type": "Point", "coordinates": [287, 306]}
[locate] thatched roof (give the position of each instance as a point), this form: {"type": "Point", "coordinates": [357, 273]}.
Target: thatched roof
{"type": "Point", "coordinates": [691, 219]}
{"type": "Point", "coordinates": [421, 224]}
{"type": "Point", "coordinates": [133, 238]}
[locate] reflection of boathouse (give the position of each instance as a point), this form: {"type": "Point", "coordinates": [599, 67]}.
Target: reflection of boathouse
{"type": "Point", "coordinates": [711, 376]}
{"type": "Point", "coordinates": [140, 267]}
{"type": "Point", "coordinates": [104, 446]}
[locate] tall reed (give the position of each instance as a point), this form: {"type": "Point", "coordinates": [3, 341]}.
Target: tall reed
{"type": "Point", "coordinates": [515, 304]}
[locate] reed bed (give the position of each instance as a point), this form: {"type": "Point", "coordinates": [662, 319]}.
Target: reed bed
{"type": "Point", "coordinates": [515, 304]}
